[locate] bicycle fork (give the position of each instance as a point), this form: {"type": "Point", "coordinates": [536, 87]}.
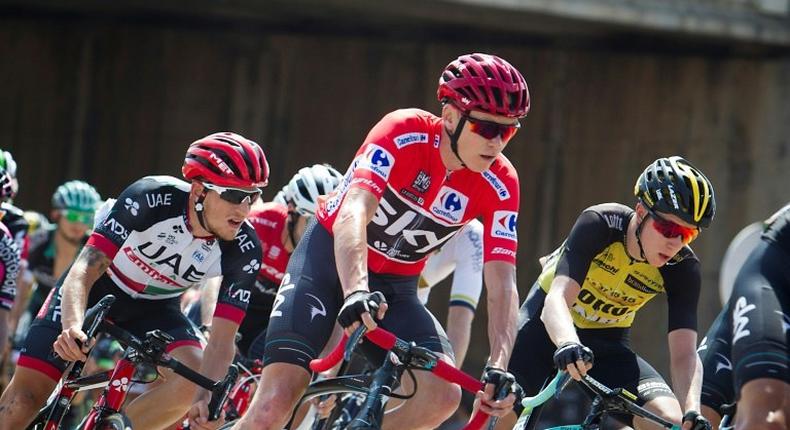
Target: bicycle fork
{"type": "Point", "coordinates": [384, 379]}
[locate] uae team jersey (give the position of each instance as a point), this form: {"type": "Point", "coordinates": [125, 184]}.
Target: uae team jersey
{"type": "Point", "coordinates": [421, 204]}
{"type": "Point", "coordinates": [269, 221]}
{"type": "Point", "coordinates": [155, 256]}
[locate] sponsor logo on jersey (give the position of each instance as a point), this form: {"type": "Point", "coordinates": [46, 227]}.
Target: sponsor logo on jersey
{"type": "Point", "coordinates": [410, 138]}
{"type": "Point", "coordinates": [244, 241]}
{"type": "Point", "coordinates": [422, 182]}
{"type": "Point", "coordinates": [503, 251]}
{"type": "Point", "coordinates": [723, 363]}
{"type": "Point", "coordinates": [613, 221]}
{"type": "Point", "coordinates": [252, 267]}
{"type": "Point", "coordinates": [606, 267]}
{"type": "Point", "coordinates": [116, 228]}
{"type": "Point", "coordinates": [198, 256]}
{"type": "Point", "coordinates": [450, 204]}
{"type": "Point", "coordinates": [497, 185]}
{"type": "Point", "coordinates": [155, 200]}
{"type": "Point", "coordinates": [274, 252]}
{"type": "Point", "coordinates": [262, 221]}
{"type": "Point", "coordinates": [504, 225]}
{"type": "Point", "coordinates": [132, 206]}
{"type": "Point", "coordinates": [637, 284]}
{"type": "Point", "coordinates": [436, 141]}
{"type": "Point", "coordinates": [178, 229]}
{"type": "Point", "coordinates": [378, 160]}
{"type": "Point", "coordinates": [411, 196]}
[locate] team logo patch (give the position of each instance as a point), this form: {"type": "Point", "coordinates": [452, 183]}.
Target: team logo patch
{"type": "Point", "coordinates": [422, 182]}
{"type": "Point", "coordinates": [497, 185]}
{"type": "Point", "coordinates": [450, 204]}
{"type": "Point", "coordinates": [410, 138]}
{"type": "Point", "coordinates": [132, 206]}
{"type": "Point", "coordinates": [504, 225]}
{"type": "Point", "coordinates": [378, 160]}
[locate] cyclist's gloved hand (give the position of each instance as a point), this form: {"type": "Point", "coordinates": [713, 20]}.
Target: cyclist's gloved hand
{"type": "Point", "coordinates": [359, 303]}
{"type": "Point", "coordinates": [500, 393]}
{"type": "Point", "coordinates": [697, 421]}
{"type": "Point", "coordinates": [574, 358]}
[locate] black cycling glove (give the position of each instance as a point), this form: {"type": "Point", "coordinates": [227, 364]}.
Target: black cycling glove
{"type": "Point", "coordinates": [356, 304]}
{"type": "Point", "coordinates": [570, 352]}
{"type": "Point", "coordinates": [698, 422]}
{"type": "Point", "coordinates": [504, 383]}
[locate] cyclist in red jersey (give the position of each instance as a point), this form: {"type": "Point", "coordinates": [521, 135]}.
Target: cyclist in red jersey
{"type": "Point", "coordinates": [161, 236]}
{"type": "Point", "coordinates": [415, 181]}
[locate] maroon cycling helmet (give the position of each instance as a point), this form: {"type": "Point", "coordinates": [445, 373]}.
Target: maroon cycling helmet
{"type": "Point", "coordinates": [226, 159]}
{"type": "Point", "coordinates": [484, 82]}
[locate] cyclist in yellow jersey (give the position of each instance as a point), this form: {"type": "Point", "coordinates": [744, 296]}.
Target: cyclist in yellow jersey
{"type": "Point", "coordinates": [615, 260]}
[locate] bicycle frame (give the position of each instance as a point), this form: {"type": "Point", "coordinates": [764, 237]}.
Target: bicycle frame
{"type": "Point", "coordinates": [425, 360]}
{"type": "Point", "coordinates": [117, 382]}
{"type": "Point", "coordinates": [606, 401]}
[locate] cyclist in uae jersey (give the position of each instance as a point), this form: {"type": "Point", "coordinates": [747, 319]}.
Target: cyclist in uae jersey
{"type": "Point", "coordinates": [745, 353]}
{"type": "Point", "coordinates": [461, 256]}
{"type": "Point", "coordinates": [161, 236]}
{"type": "Point", "coordinates": [415, 181]}
{"type": "Point", "coordinates": [279, 228]}
{"type": "Point", "coordinates": [615, 260]}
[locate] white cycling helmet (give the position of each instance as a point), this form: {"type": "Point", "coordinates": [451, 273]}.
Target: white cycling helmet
{"type": "Point", "coordinates": [309, 183]}
{"type": "Point", "coordinates": [281, 196]}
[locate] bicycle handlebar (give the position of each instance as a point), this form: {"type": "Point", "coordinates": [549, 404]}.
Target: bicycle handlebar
{"type": "Point", "coordinates": [390, 342]}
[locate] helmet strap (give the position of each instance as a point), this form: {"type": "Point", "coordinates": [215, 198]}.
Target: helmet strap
{"type": "Point", "coordinates": [454, 136]}
{"type": "Point", "coordinates": [639, 228]}
{"type": "Point", "coordinates": [199, 208]}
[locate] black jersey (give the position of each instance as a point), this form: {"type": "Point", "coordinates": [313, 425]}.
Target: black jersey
{"type": "Point", "coordinates": [155, 255]}
{"type": "Point", "coordinates": [777, 229]}
{"type": "Point", "coordinates": [613, 285]}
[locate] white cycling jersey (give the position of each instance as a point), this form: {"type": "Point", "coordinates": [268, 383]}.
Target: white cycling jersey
{"type": "Point", "coordinates": [462, 255]}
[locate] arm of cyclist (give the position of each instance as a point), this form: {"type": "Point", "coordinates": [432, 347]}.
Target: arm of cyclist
{"type": "Point", "coordinates": [351, 255]}
{"type": "Point", "coordinates": [500, 280]}
{"type": "Point", "coordinates": [216, 358]}
{"type": "Point", "coordinates": [686, 371]}
{"type": "Point", "coordinates": [90, 264]}
{"type": "Point", "coordinates": [459, 329]}
{"type": "Point", "coordinates": [209, 292]}
{"type": "Point", "coordinates": [578, 251]}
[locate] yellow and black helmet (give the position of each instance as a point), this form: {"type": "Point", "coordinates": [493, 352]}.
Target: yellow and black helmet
{"type": "Point", "coordinates": [674, 186]}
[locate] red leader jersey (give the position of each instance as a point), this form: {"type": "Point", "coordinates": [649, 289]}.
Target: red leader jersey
{"type": "Point", "coordinates": [421, 204]}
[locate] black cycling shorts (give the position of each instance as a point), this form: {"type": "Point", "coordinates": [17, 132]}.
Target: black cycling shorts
{"type": "Point", "coordinates": [616, 364]}
{"type": "Point", "coordinates": [136, 316]}
{"type": "Point", "coordinates": [749, 339]}
{"type": "Point", "coordinates": [310, 297]}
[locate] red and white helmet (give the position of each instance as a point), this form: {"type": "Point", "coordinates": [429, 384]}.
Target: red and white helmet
{"type": "Point", "coordinates": [226, 159]}
{"type": "Point", "coordinates": [484, 82]}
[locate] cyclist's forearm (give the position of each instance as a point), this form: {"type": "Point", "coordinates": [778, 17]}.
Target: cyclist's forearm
{"type": "Point", "coordinates": [500, 280]}
{"type": "Point", "coordinates": [23, 288]}
{"type": "Point", "coordinates": [351, 252]}
{"type": "Point", "coordinates": [459, 327]}
{"type": "Point", "coordinates": [87, 268]}
{"type": "Point", "coordinates": [556, 316]}
{"type": "Point", "coordinates": [686, 374]}
{"type": "Point", "coordinates": [220, 349]}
